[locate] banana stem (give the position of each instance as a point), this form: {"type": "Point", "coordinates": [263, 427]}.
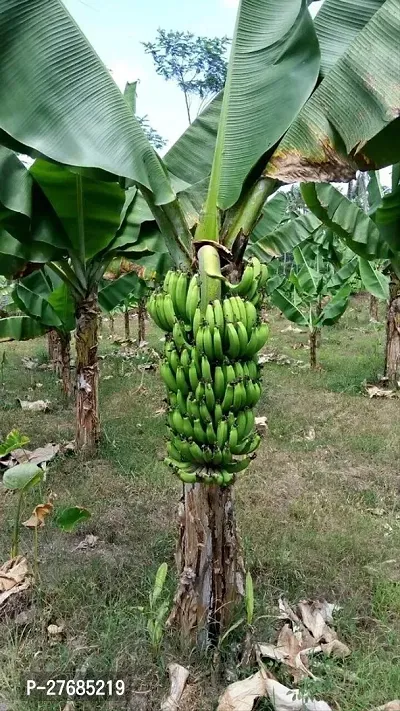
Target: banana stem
{"type": "Point", "coordinates": [210, 275]}
{"type": "Point", "coordinates": [15, 540]}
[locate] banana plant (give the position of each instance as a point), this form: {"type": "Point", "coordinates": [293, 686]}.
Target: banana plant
{"type": "Point", "coordinates": [315, 295]}
{"type": "Point", "coordinates": [290, 111]}
{"type": "Point", "coordinates": [375, 239]}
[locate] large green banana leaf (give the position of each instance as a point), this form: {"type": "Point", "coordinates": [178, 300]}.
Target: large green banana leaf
{"type": "Point", "coordinates": [346, 219]}
{"type": "Point", "coordinates": [272, 71]}
{"type": "Point", "coordinates": [64, 104]}
{"type": "Point", "coordinates": [15, 254]}
{"type": "Point", "coordinates": [387, 219]}
{"type": "Point", "coordinates": [374, 281]}
{"type": "Point", "coordinates": [116, 292]}
{"type": "Point", "coordinates": [288, 308]}
{"type": "Point", "coordinates": [337, 25]}
{"type": "Point", "coordinates": [272, 216]}
{"type": "Point", "coordinates": [43, 296]}
{"type": "Point", "coordinates": [20, 328]}
{"type": "Point", "coordinates": [102, 205]}
{"type": "Point", "coordinates": [350, 120]}
{"type": "Point", "coordinates": [285, 238]}
{"type": "Point", "coordinates": [335, 308]}
{"type": "Point", "coordinates": [15, 192]}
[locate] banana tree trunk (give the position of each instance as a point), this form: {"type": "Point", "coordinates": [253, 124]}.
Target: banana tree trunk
{"type": "Point", "coordinates": [142, 321]}
{"type": "Point", "coordinates": [127, 325]}
{"type": "Point", "coordinates": [53, 349]}
{"type": "Point", "coordinates": [373, 308]}
{"type": "Point", "coordinates": [87, 374]}
{"type": "Point", "coordinates": [313, 343]}
{"type": "Point", "coordinates": [392, 361]}
{"type": "Point", "coordinates": [209, 562]}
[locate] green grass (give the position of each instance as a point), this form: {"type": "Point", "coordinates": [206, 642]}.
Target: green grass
{"type": "Point", "coordinates": [319, 517]}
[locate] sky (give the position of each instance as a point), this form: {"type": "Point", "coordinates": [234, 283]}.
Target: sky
{"type": "Point", "coordinates": [116, 29]}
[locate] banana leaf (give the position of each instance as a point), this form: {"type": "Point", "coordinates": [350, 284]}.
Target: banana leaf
{"type": "Point", "coordinates": [20, 328]}
{"type": "Point", "coordinates": [288, 308]}
{"type": "Point", "coordinates": [116, 292]}
{"type": "Point", "coordinates": [335, 308]}
{"type": "Point", "coordinates": [373, 280]}
{"type": "Point", "coordinates": [66, 106]}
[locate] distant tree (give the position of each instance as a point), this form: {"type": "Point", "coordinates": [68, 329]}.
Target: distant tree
{"type": "Point", "coordinates": [197, 64]}
{"type": "Point", "coordinates": [153, 136]}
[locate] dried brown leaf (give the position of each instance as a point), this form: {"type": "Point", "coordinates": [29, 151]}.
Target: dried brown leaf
{"type": "Point", "coordinates": [35, 406]}
{"type": "Point", "coordinates": [241, 695]}
{"type": "Point", "coordinates": [178, 676]}
{"type": "Point", "coordinates": [37, 519]}
{"type": "Point", "coordinates": [14, 578]}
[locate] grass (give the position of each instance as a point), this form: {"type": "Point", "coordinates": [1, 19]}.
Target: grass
{"type": "Point", "coordinates": [319, 517]}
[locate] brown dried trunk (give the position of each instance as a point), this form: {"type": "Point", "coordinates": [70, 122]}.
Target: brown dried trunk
{"type": "Point", "coordinates": [65, 357]}
{"type": "Point", "coordinates": [209, 562]}
{"type": "Point", "coordinates": [392, 360]}
{"type": "Point", "coordinates": [142, 321]}
{"type": "Point", "coordinates": [53, 349]}
{"type": "Point", "coordinates": [373, 308]}
{"type": "Point", "coordinates": [312, 340]}
{"type": "Point", "coordinates": [127, 325]}
{"type": "Point", "coordinates": [87, 374]}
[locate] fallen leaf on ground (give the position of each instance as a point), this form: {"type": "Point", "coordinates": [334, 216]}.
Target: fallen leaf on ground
{"type": "Point", "coordinates": [284, 699]}
{"type": "Point", "coordinates": [143, 344]}
{"type": "Point", "coordinates": [14, 577]}
{"type": "Point", "coordinates": [35, 406]}
{"type": "Point", "coordinates": [374, 391]}
{"type": "Point", "coordinates": [90, 541]}
{"type": "Point", "coordinates": [69, 706]}
{"type": "Point", "coordinates": [38, 515]}
{"type": "Point", "coordinates": [37, 456]}
{"type": "Point", "coordinates": [55, 633]}
{"type": "Point", "coordinates": [293, 329]}
{"type": "Point", "coordinates": [241, 695]}
{"type": "Point", "coordinates": [310, 436]}
{"type": "Point", "coordinates": [178, 676]}
{"type": "Point", "coordinates": [161, 411]}
{"type": "Point", "coordinates": [306, 631]}
{"type": "Point", "coordinates": [261, 424]}
{"type": "Point", "coordinates": [29, 363]}
{"type": "Point", "coordinates": [391, 706]}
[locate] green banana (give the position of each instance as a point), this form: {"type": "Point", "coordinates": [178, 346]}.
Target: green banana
{"type": "Point", "coordinates": [208, 343]}
{"type": "Point", "coordinates": [222, 433]}
{"type": "Point", "coordinates": [181, 402]}
{"type": "Point", "coordinates": [217, 345]}
{"type": "Point", "coordinates": [196, 453]}
{"type": "Point", "coordinates": [210, 397]}
{"type": "Point", "coordinates": [197, 321]}
{"type": "Point", "coordinates": [200, 340]}
{"type": "Point", "coordinates": [210, 318]}
{"type": "Point", "coordinates": [204, 413]}
{"type": "Point", "coordinates": [233, 341]}
{"type": "Point", "coordinates": [233, 437]}
{"type": "Point", "coordinates": [168, 377]}
{"type": "Point", "coordinates": [198, 432]}
{"type": "Point", "coordinates": [187, 428]}
{"type": "Point", "coordinates": [256, 264]}
{"type": "Point", "coordinates": [193, 377]}
{"type": "Point", "coordinates": [238, 465]}
{"type": "Point", "coordinates": [251, 316]}
{"type": "Point", "coordinates": [253, 369]}
{"type": "Point", "coordinates": [264, 275]}
{"type": "Point", "coordinates": [250, 421]}
{"type": "Point", "coordinates": [219, 383]}
{"type": "Point", "coordinates": [206, 370]}
{"type": "Point", "coordinates": [172, 462]}
{"type": "Point", "coordinates": [181, 294]}
{"type": "Point", "coordinates": [242, 288]}
{"type": "Point", "coordinates": [187, 477]}
{"type": "Point", "coordinates": [173, 452]}
{"type": "Point", "coordinates": [218, 413]}
{"type": "Point", "coordinates": [200, 392]}
{"type": "Point", "coordinates": [192, 298]}
{"type": "Point", "coordinates": [228, 398]}
{"type": "Point", "coordinates": [169, 312]}
{"type": "Point", "coordinates": [228, 477]}
{"type": "Point", "coordinates": [219, 318]}
{"type": "Point", "coordinates": [181, 381]}
{"type": "Point", "coordinates": [227, 311]}
{"type": "Point", "coordinates": [177, 421]}
{"type": "Point", "coordinates": [185, 359]}
{"type": "Point", "coordinates": [241, 426]}
{"type": "Point", "coordinates": [178, 335]}
{"type": "Point", "coordinates": [239, 370]}
{"type": "Point", "coordinates": [211, 436]}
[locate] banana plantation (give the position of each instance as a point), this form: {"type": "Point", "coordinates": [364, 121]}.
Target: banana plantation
{"type": "Point", "coordinates": [200, 363]}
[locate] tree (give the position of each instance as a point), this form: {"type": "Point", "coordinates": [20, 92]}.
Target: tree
{"type": "Point", "coordinates": [373, 237]}
{"type": "Point", "coordinates": [290, 111]}
{"type": "Point", "coordinates": [196, 64]}
{"type": "Point", "coordinates": [156, 140]}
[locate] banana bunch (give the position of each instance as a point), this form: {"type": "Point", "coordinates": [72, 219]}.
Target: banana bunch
{"type": "Point", "coordinates": [211, 373]}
